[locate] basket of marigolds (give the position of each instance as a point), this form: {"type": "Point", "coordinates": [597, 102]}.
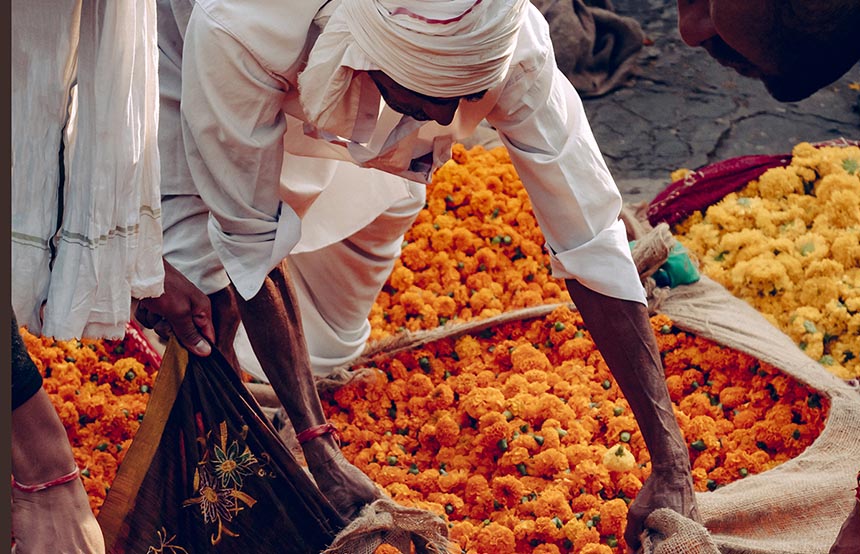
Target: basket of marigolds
{"type": "Point", "coordinates": [484, 400]}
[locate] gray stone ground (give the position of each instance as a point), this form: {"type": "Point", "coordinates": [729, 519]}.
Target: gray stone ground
{"type": "Point", "coordinates": [683, 109]}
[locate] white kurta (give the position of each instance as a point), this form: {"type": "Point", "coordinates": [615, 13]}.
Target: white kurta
{"type": "Point", "coordinates": [348, 244]}
{"type": "Point", "coordinates": [84, 253]}
{"type": "Point", "coordinates": [240, 67]}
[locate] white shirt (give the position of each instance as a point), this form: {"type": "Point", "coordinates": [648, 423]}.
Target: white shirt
{"type": "Point", "coordinates": [241, 111]}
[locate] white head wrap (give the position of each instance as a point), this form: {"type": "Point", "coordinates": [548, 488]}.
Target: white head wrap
{"type": "Point", "coordinates": [440, 48]}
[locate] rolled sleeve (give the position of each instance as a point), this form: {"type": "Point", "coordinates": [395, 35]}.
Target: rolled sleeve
{"type": "Point", "coordinates": [233, 129]}
{"type": "Point", "coordinates": [541, 121]}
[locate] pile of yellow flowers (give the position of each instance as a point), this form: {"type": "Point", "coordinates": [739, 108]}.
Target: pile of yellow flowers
{"type": "Point", "coordinates": [100, 390]}
{"type": "Point", "coordinates": [520, 437]}
{"type": "Point", "coordinates": [789, 244]}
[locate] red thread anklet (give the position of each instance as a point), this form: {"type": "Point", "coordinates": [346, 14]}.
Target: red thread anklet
{"type": "Point", "coordinates": [69, 477]}
{"type": "Point", "coordinates": [313, 432]}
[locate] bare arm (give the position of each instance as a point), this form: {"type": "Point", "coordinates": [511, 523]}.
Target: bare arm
{"type": "Point", "coordinates": [622, 332]}
{"type": "Point", "coordinates": [57, 519]}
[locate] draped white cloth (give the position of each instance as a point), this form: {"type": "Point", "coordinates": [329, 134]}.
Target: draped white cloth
{"type": "Point", "coordinates": [86, 236]}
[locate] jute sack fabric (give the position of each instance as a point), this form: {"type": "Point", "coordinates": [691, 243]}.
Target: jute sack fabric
{"type": "Point", "coordinates": [795, 508]}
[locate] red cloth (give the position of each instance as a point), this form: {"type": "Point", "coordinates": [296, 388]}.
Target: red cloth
{"type": "Point", "coordinates": [709, 184]}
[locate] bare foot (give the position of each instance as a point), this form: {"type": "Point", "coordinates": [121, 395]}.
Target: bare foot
{"type": "Point", "coordinates": [663, 489]}
{"type": "Point", "coordinates": [344, 485]}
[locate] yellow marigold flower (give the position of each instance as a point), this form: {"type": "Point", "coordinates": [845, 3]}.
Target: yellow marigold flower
{"type": "Point", "coordinates": [619, 458]}
{"type": "Point", "coordinates": [679, 174]}
{"type": "Point", "coordinates": [777, 182]}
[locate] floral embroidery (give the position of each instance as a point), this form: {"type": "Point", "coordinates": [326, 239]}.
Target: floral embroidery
{"type": "Point", "coordinates": [165, 545]}
{"type": "Point", "coordinates": [219, 493]}
{"type": "Point", "coordinates": [232, 466]}
{"type": "Point", "coordinates": [215, 502]}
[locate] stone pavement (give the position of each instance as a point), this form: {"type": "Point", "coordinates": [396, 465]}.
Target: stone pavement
{"type": "Point", "coordinates": [683, 109]}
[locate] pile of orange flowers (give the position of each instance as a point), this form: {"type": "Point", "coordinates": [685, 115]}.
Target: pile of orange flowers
{"type": "Point", "coordinates": [517, 435]}
{"type": "Point", "coordinates": [100, 390]}
{"type": "Point", "coordinates": [474, 251]}
{"type": "Point", "coordinates": [520, 437]}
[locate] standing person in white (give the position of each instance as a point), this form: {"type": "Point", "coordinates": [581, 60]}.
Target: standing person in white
{"type": "Point", "coordinates": [86, 226]}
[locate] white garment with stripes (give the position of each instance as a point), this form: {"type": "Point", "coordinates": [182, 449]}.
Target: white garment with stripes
{"type": "Point", "coordinates": [85, 238]}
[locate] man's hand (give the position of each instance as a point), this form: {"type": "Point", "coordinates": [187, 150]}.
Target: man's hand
{"type": "Point", "coordinates": [58, 519]}
{"type": "Point", "coordinates": [671, 489]}
{"type": "Point", "coordinates": [184, 309]}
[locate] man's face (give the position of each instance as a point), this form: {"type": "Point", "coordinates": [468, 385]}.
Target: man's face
{"type": "Point", "coordinates": [413, 104]}
{"type": "Point", "coordinates": [752, 38]}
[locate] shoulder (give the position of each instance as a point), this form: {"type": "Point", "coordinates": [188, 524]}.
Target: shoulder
{"type": "Point", "coordinates": [275, 32]}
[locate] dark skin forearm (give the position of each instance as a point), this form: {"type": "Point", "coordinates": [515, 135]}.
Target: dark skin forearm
{"type": "Point", "coordinates": [621, 330]}
{"type": "Point", "coordinates": [272, 317]}
{"type": "Point", "coordinates": [274, 328]}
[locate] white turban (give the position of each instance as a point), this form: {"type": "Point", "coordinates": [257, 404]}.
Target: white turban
{"type": "Point", "coordinates": [440, 48]}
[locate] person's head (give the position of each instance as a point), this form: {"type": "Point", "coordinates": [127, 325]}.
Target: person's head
{"type": "Point", "coordinates": [422, 56]}
{"type": "Point", "coordinates": [795, 47]}
{"type": "Point", "coordinates": [416, 105]}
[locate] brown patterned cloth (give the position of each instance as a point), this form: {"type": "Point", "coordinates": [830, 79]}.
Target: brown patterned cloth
{"type": "Point", "coordinates": [207, 473]}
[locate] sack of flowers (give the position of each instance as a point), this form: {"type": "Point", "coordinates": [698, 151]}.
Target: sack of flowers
{"type": "Point", "coordinates": [484, 400]}
{"type": "Point", "coordinates": [786, 239]}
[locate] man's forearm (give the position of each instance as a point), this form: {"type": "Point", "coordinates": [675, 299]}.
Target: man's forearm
{"type": "Point", "coordinates": [622, 331]}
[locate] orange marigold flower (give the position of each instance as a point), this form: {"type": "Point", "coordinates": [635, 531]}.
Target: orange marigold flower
{"type": "Point", "coordinates": [526, 357]}
{"type": "Point", "coordinates": [547, 548]}
{"type": "Point", "coordinates": [508, 490]}
{"type": "Point", "coordinates": [481, 400]}
{"type": "Point", "coordinates": [629, 484]}
{"type": "Point", "coordinates": [549, 462]}
{"type": "Point", "coordinates": [732, 397]}
{"type": "Point", "coordinates": [494, 538]}
{"type": "Point", "coordinates": [419, 385]}
{"type": "Point", "coordinates": [447, 430]}
{"type": "Point", "coordinates": [613, 517]}
{"type": "Point", "coordinates": [595, 548]}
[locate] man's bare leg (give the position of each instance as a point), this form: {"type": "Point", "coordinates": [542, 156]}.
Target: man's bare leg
{"type": "Point", "coordinates": [622, 331]}
{"type": "Point", "coordinates": [275, 332]}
